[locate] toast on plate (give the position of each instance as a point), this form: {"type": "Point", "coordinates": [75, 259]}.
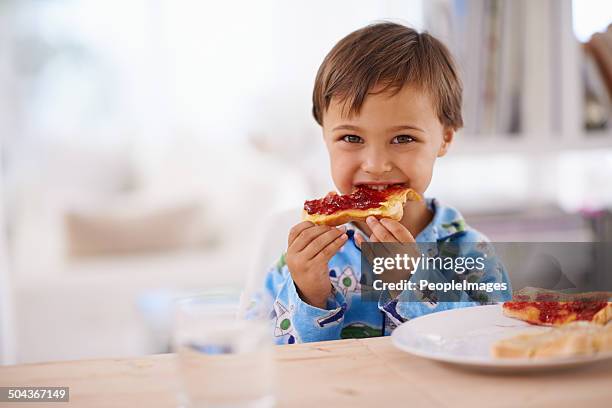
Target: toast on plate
{"type": "Point", "coordinates": [573, 339]}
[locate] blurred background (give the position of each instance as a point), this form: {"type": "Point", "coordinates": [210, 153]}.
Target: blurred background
{"type": "Point", "coordinates": [146, 146]}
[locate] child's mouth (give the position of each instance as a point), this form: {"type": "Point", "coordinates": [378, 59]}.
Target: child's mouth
{"type": "Point", "coordinates": [380, 187]}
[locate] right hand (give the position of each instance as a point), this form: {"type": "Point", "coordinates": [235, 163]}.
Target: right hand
{"type": "Point", "coordinates": [309, 249]}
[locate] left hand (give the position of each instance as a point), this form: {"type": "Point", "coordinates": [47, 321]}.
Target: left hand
{"type": "Point", "coordinates": [387, 230]}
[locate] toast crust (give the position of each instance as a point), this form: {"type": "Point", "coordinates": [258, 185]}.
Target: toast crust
{"type": "Point", "coordinates": [392, 208]}
{"type": "Point", "coordinates": [604, 315]}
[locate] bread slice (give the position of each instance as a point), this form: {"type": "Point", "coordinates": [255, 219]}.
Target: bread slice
{"type": "Point", "coordinates": [564, 312]}
{"type": "Point", "coordinates": [392, 207]}
{"type": "Point", "coordinates": [553, 308]}
{"type": "Point", "coordinates": [573, 339]}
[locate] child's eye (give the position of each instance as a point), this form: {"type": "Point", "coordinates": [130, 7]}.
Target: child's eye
{"type": "Point", "coordinates": [402, 139]}
{"type": "Point", "coordinates": [352, 139]}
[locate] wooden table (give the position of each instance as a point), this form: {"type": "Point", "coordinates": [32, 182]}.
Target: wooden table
{"type": "Point", "coordinates": [344, 373]}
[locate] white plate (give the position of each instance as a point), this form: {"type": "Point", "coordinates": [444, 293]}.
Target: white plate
{"type": "Point", "coordinates": [464, 337]}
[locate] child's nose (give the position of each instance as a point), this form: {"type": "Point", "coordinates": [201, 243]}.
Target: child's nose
{"type": "Point", "coordinates": [376, 163]}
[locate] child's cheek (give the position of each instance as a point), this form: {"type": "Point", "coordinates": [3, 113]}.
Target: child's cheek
{"type": "Point", "coordinates": [420, 171]}
{"type": "Point", "coordinates": [342, 177]}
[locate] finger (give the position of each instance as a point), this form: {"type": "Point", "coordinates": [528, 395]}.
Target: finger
{"type": "Point", "coordinates": [387, 250]}
{"type": "Point", "coordinates": [308, 235]}
{"type": "Point", "coordinates": [367, 251]}
{"type": "Point", "coordinates": [403, 235]}
{"type": "Point", "coordinates": [400, 232]}
{"type": "Point", "coordinates": [382, 249]}
{"type": "Point", "coordinates": [358, 240]}
{"type": "Point", "coordinates": [316, 245]}
{"type": "Point", "coordinates": [379, 230]}
{"type": "Point", "coordinates": [330, 250]}
{"type": "Point", "coordinates": [297, 230]}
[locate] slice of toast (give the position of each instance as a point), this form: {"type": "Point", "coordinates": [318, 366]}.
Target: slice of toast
{"type": "Point", "coordinates": [531, 312]}
{"type": "Point", "coordinates": [392, 207]}
{"type": "Point", "coordinates": [553, 308]}
{"type": "Point", "coordinates": [573, 339]}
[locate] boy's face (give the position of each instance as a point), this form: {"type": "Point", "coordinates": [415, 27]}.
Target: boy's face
{"type": "Point", "coordinates": [394, 139]}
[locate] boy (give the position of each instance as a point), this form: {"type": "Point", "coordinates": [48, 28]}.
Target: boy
{"type": "Point", "coordinates": [389, 102]}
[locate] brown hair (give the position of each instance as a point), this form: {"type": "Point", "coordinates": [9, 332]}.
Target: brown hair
{"type": "Point", "coordinates": [390, 55]}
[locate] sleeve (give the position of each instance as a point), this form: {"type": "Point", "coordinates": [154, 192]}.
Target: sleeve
{"type": "Point", "coordinates": [295, 321]}
{"type": "Point", "coordinates": [413, 303]}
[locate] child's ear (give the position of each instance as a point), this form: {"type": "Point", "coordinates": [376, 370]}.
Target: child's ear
{"type": "Point", "coordinates": [447, 139]}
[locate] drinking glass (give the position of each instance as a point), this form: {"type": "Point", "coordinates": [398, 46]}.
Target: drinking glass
{"type": "Point", "coordinates": [224, 352]}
